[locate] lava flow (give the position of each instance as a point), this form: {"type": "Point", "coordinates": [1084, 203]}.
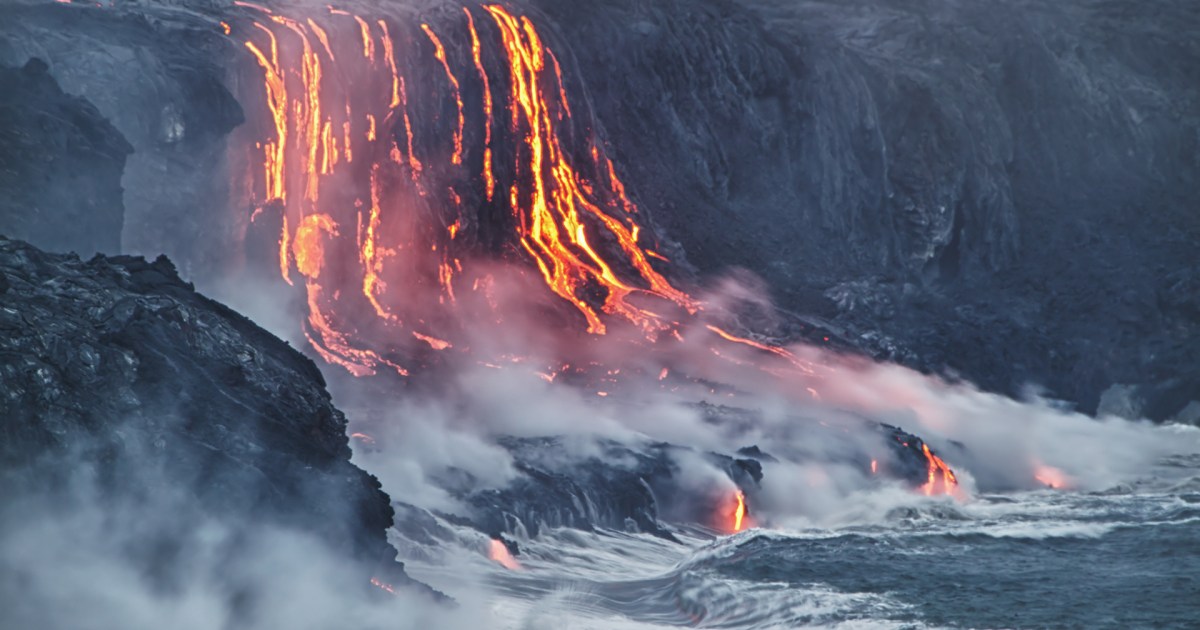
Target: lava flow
{"type": "Point", "coordinates": [1051, 477]}
{"type": "Point", "coordinates": [739, 512]}
{"type": "Point", "coordinates": [365, 221]}
{"type": "Point", "coordinates": [732, 513]}
{"type": "Point", "coordinates": [938, 471]}
{"type": "Point", "coordinates": [340, 166]}
{"type": "Point", "coordinates": [395, 164]}
{"type": "Point", "coordinates": [498, 553]}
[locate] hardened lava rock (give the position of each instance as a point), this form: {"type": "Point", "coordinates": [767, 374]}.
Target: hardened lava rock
{"type": "Point", "coordinates": [60, 165]}
{"type": "Point", "coordinates": [117, 368]}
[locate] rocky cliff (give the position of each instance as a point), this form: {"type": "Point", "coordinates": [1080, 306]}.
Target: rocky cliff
{"type": "Point", "coordinates": [1002, 191]}
{"type": "Point", "coordinates": [118, 381]}
{"type": "Point", "coordinates": [156, 72]}
{"type": "Point", "coordinates": [999, 192]}
{"type": "Point", "coordinates": [60, 165]}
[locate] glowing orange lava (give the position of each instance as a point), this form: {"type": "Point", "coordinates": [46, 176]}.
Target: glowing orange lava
{"type": "Point", "coordinates": [739, 512]}
{"type": "Point", "coordinates": [476, 55]}
{"type": "Point", "coordinates": [308, 247]}
{"type": "Point", "coordinates": [1051, 477]}
{"type": "Point", "coordinates": [776, 350]}
{"type": "Point", "coordinates": [552, 209]}
{"type": "Point", "coordinates": [387, 248]}
{"type": "Point", "coordinates": [561, 217]}
{"type": "Point", "coordinates": [498, 552]}
{"type": "Point", "coordinates": [440, 53]}
{"type": "Point", "coordinates": [383, 586]}
{"type": "Point", "coordinates": [938, 471]}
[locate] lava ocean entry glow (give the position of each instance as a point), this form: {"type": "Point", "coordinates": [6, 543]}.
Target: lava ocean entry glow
{"type": "Point", "coordinates": [740, 518]}
{"type": "Point", "coordinates": [394, 164]}
{"type": "Point", "coordinates": [498, 553]}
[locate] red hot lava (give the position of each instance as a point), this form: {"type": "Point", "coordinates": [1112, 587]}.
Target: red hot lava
{"type": "Point", "coordinates": [498, 553]}
{"type": "Point", "coordinates": [941, 478]}
{"type": "Point", "coordinates": [397, 161]}
{"type": "Point", "coordinates": [387, 223]}
{"type": "Point", "coordinates": [733, 514]}
{"type": "Point", "coordinates": [349, 171]}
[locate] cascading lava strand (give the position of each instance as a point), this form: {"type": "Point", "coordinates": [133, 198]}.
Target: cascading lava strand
{"type": "Point", "coordinates": [550, 211]}
{"type": "Point", "coordinates": [739, 512]}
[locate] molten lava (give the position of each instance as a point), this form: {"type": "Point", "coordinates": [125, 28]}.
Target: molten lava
{"type": "Point", "coordinates": [440, 53]}
{"type": "Point", "coordinates": [733, 513]}
{"type": "Point", "coordinates": [383, 586]}
{"type": "Point", "coordinates": [308, 247]}
{"type": "Point", "coordinates": [399, 161]}
{"type": "Point", "coordinates": [489, 179]}
{"type": "Point", "coordinates": [1051, 477]}
{"type": "Point", "coordinates": [551, 206]}
{"type": "Point", "coordinates": [574, 222]}
{"type": "Point", "coordinates": [938, 472]}
{"type": "Point", "coordinates": [498, 552]}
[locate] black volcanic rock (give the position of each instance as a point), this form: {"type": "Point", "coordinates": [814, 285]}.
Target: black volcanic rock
{"type": "Point", "coordinates": [595, 483]}
{"type": "Point", "coordinates": [60, 166]}
{"type": "Point", "coordinates": [155, 70]}
{"type": "Point", "coordinates": [117, 367]}
{"type": "Point", "coordinates": [999, 192]}
{"type": "Point", "coordinates": [1002, 191]}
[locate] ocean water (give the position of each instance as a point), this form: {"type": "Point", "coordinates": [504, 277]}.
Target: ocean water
{"type": "Point", "coordinates": [1127, 557]}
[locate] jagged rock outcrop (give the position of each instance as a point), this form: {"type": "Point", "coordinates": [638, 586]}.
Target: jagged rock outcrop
{"type": "Point", "coordinates": [60, 166]}
{"type": "Point", "coordinates": [117, 367]}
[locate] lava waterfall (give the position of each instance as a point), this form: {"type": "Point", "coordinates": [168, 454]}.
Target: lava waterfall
{"type": "Point", "coordinates": [385, 222]}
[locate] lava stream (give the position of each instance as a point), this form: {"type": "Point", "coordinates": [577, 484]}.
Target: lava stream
{"type": "Point", "coordinates": [388, 213]}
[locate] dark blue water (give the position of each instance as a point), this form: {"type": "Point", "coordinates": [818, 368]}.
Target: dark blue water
{"type": "Point", "coordinates": [1028, 560]}
{"type": "Point", "coordinates": [1132, 576]}
{"type": "Point", "coordinates": [1034, 561]}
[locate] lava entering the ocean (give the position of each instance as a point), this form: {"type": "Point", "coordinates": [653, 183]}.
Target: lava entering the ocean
{"type": "Point", "coordinates": [938, 471]}
{"type": "Point", "coordinates": [498, 552]}
{"type": "Point", "coordinates": [739, 512]}
{"type": "Point", "coordinates": [398, 162]}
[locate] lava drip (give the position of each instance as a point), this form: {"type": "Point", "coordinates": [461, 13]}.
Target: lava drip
{"type": "Point", "coordinates": [938, 472]}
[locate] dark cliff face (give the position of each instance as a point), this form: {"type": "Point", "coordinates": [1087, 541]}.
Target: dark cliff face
{"type": "Point", "coordinates": [1002, 191]}
{"type": "Point", "coordinates": [922, 138]}
{"type": "Point", "coordinates": [158, 76]}
{"type": "Point", "coordinates": [116, 367]}
{"type": "Point", "coordinates": [998, 192]}
{"type": "Point", "coordinates": [60, 166]}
